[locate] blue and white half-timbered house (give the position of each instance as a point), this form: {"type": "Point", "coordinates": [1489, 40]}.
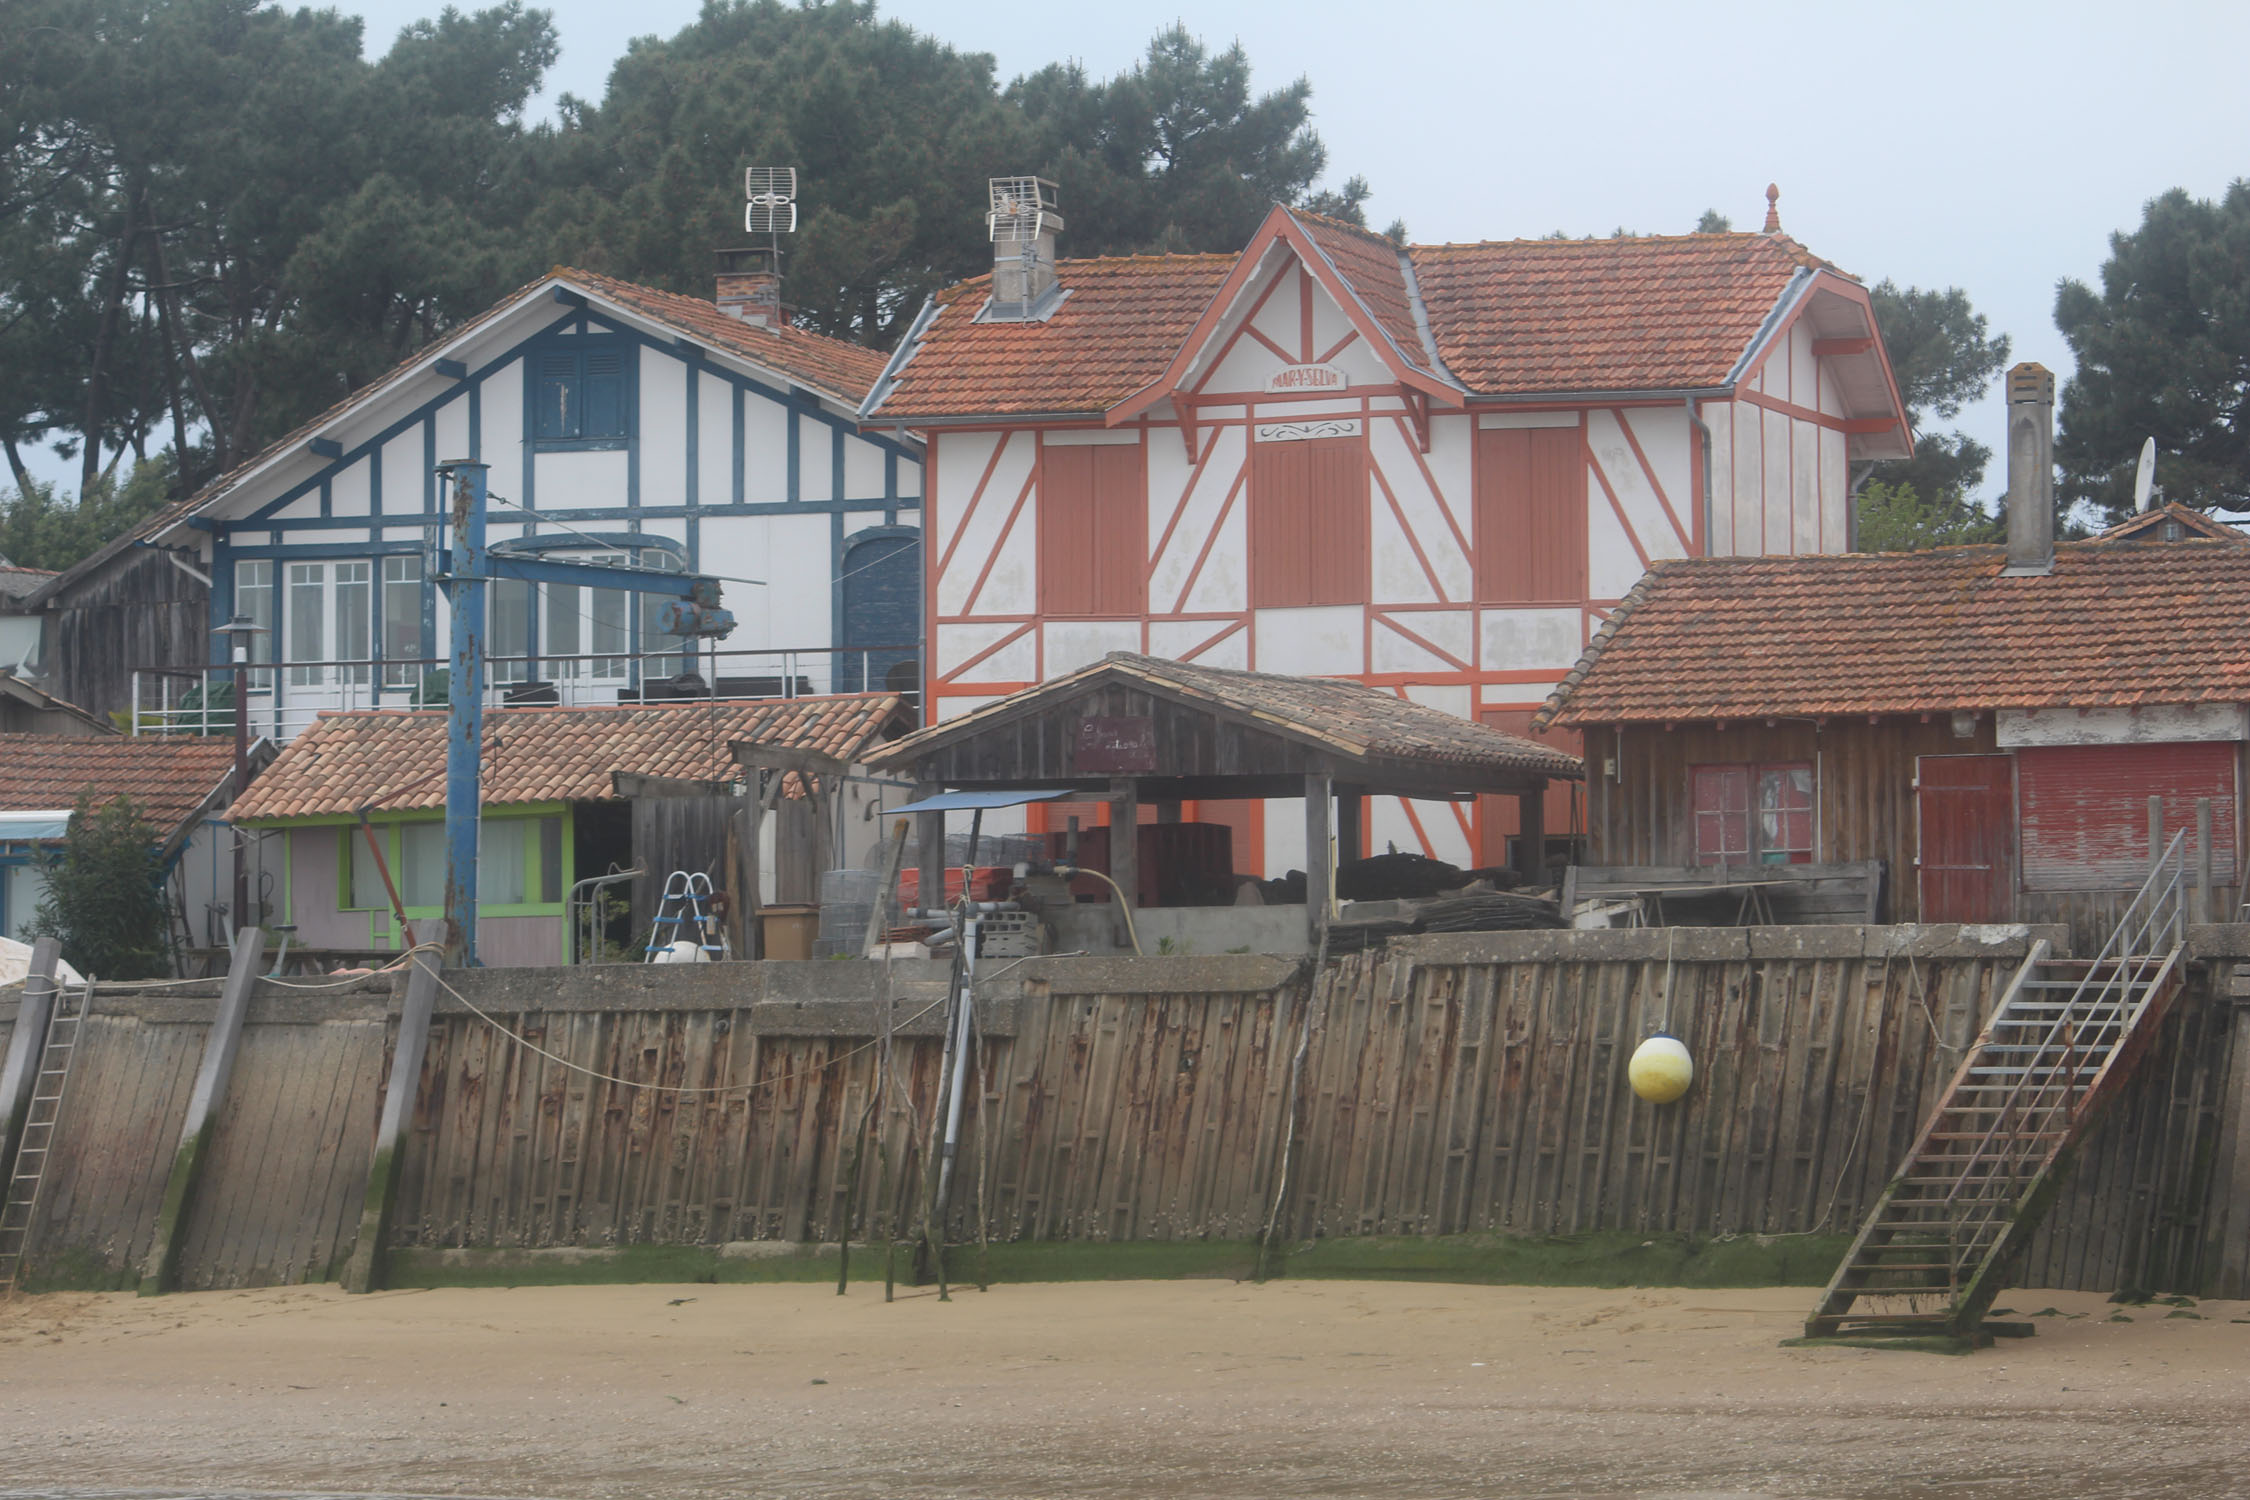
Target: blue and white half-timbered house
{"type": "Point", "coordinates": [622, 425]}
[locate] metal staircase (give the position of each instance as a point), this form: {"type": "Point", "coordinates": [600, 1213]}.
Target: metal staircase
{"type": "Point", "coordinates": [2061, 1043]}
{"type": "Point", "coordinates": [21, 1200]}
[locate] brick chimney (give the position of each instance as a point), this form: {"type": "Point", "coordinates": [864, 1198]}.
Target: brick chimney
{"type": "Point", "coordinates": [750, 288]}
{"type": "Point", "coordinates": [2031, 471]}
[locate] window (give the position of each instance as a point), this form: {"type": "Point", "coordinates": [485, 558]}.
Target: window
{"type": "Point", "coordinates": [1093, 531]}
{"type": "Point", "coordinates": [1531, 516]}
{"type": "Point", "coordinates": [581, 395]}
{"type": "Point", "coordinates": [1308, 523]}
{"type": "Point", "coordinates": [507, 630]}
{"type": "Point", "coordinates": [1752, 814]}
{"type": "Point", "coordinates": [26, 886]}
{"type": "Point", "coordinates": [583, 621]}
{"type": "Point", "coordinates": [354, 618]}
{"type": "Point", "coordinates": [402, 620]}
{"type": "Point", "coordinates": [363, 879]}
{"type": "Point", "coordinates": [519, 863]}
{"type": "Point", "coordinates": [253, 598]}
{"type": "Point", "coordinates": [306, 645]}
{"type": "Point", "coordinates": [662, 652]}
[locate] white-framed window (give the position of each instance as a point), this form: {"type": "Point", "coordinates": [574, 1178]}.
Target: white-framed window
{"type": "Point", "coordinates": [402, 620]}
{"type": "Point", "coordinates": [507, 630]}
{"type": "Point", "coordinates": [253, 599]}
{"type": "Point", "coordinates": [306, 646]}
{"type": "Point", "coordinates": [583, 621]}
{"type": "Point", "coordinates": [354, 598]}
{"type": "Point", "coordinates": [660, 650]}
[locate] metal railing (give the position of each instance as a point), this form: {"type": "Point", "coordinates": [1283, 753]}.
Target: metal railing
{"type": "Point", "coordinates": [2064, 1065]}
{"type": "Point", "coordinates": [285, 697]}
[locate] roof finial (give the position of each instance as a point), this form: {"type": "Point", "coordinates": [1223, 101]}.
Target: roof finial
{"type": "Point", "coordinates": [1773, 208]}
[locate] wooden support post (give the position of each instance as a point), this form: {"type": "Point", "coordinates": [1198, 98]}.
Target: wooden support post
{"type": "Point", "coordinates": [1351, 836]}
{"type": "Point", "coordinates": [1531, 836]}
{"type": "Point", "coordinates": [210, 1088]}
{"type": "Point", "coordinates": [26, 1045]}
{"type": "Point", "coordinates": [2203, 859]}
{"type": "Point", "coordinates": [364, 1272]}
{"type": "Point", "coordinates": [1167, 812]}
{"type": "Point", "coordinates": [1320, 870]}
{"type": "Point", "coordinates": [1125, 848]}
{"type": "Point", "coordinates": [929, 834]}
{"type": "Point", "coordinates": [744, 821]}
{"type": "Point", "coordinates": [878, 916]}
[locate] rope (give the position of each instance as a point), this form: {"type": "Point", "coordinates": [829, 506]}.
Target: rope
{"type": "Point", "coordinates": [662, 1088]}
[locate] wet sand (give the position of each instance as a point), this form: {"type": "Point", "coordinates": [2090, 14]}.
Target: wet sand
{"type": "Point", "coordinates": [1114, 1389]}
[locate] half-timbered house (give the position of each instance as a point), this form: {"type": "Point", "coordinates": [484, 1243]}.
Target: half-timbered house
{"type": "Point", "coordinates": [622, 425]}
{"type": "Point", "coordinates": [1434, 469]}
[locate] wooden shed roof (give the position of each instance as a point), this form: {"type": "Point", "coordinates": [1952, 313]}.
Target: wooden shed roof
{"type": "Point", "coordinates": [1345, 726]}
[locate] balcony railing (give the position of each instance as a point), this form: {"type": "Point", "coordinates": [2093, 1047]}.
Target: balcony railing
{"type": "Point", "coordinates": [285, 697]}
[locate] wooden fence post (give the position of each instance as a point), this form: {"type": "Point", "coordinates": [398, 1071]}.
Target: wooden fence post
{"type": "Point", "coordinates": [203, 1111]}
{"type": "Point", "coordinates": [364, 1273]}
{"type": "Point", "coordinates": [26, 1045]}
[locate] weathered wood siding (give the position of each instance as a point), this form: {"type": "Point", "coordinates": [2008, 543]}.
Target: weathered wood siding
{"type": "Point", "coordinates": [139, 611]}
{"type": "Point", "coordinates": [1864, 782]}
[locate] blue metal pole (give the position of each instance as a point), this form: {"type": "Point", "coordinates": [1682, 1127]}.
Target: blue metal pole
{"type": "Point", "coordinates": [464, 730]}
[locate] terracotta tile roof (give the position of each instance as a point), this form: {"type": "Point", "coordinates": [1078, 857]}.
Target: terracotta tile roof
{"type": "Point", "coordinates": [396, 760]}
{"type": "Point", "coordinates": [1370, 264]}
{"type": "Point", "coordinates": [1123, 320]}
{"type": "Point", "coordinates": [834, 367]}
{"type": "Point", "coordinates": [1507, 318]}
{"type": "Point", "coordinates": [1656, 312]}
{"type": "Point", "coordinates": [167, 778]}
{"type": "Point", "coordinates": [1349, 717]}
{"type": "Point", "coordinates": [1918, 632]}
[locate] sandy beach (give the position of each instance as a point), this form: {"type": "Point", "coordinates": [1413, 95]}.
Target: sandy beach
{"type": "Point", "coordinates": [1111, 1389]}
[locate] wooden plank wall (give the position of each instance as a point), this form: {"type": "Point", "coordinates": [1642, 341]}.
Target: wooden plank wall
{"type": "Point", "coordinates": [1461, 1083]}
{"type": "Point", "coordinates": [1453, 1093]}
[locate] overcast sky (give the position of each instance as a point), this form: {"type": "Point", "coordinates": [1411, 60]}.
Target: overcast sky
{"type": "Point", "coordinates": [1990, 146]}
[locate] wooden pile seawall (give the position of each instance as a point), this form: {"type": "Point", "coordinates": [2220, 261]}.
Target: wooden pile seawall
{"type": "Point", "coordinates": [1457, 1084]}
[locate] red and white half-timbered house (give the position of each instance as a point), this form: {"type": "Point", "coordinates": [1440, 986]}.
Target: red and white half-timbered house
{"type": "Point", "coordinates": [1434, 469]}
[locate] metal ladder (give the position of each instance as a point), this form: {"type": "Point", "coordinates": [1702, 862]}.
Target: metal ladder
{"type": "Point", "coordinates": [21, 1201]}
{"type": "Point", "coordinates": [1935, 1250]}
{"type": "Point", "coordinates": [686, 903]}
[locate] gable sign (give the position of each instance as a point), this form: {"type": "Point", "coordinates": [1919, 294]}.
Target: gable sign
{"type": "Point", "coordinates": [1115, 746]}
{"type": "Point", "coordinates": [1308, 378]}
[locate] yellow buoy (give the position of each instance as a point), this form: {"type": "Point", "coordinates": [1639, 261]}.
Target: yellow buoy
{"type": "Point", "coordinates": [1661, 1069]}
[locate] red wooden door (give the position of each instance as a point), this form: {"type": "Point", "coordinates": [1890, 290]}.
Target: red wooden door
{"type": "Point", "coordinates": [1966, 805]}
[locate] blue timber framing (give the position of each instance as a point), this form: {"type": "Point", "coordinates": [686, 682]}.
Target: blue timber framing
{"type": "Point", "coordinates": [268, 533]}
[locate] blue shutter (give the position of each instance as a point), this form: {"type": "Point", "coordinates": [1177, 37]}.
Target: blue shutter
{"type": "Point", "coordinates": [559, 403]}
{"type": "Point", "coordinates": [604, 400]}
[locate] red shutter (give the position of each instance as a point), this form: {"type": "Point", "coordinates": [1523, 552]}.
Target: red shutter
{"type": "Point", "coordinates": [1066, 531]}
{"type": "Point", "coordinates": [1531, 516]}
{"type": "Point", "coordinates": [1120, 532]}
{"type": "Point", "coordinates": [1722, 814]}
{"type": "Point", "coordinates": [1965, 809]}
{"type": "Point", "coordinates": [2085, 810]}
{"type": "Point", "coordinates": [1308, 523]}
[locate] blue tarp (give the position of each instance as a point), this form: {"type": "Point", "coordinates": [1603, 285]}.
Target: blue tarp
{"type": "Point", "coordinates": [978, 801]}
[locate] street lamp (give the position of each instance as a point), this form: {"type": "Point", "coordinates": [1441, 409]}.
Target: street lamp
{"type": "Point", "coordinates": [238, 632]}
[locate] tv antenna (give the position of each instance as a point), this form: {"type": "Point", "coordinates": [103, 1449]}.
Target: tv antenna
{"type": "Point", "coordinates": [772, 206]}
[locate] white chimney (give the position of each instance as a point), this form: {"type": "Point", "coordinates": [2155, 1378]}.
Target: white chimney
{"type": "Point", "coordinates": [1022, 226]}
{"type": "Point", "coordinates": [2031, 471]}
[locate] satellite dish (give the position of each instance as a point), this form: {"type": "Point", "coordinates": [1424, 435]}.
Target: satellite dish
{"type": "Point", "coordinates": [772, 192]}
{"type": "Point", "coordinates": [2144, 477]}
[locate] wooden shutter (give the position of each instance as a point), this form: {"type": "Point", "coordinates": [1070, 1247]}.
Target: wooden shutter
{"type": "Point", "coordinates": [1965, 813]}
{"type": "Point", "coordinates": [603, 395]}
{"type": "Point", "coordinates": [559, 408]}
{"type": "Point", "coordinates": [1093, 531]}
{"type": "Point", "coordinates": [2085, 810]}
{"type": "Point", "coordinates": [1308, 523]}
{"type": "Point", "coordinates": [1531, 516]}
